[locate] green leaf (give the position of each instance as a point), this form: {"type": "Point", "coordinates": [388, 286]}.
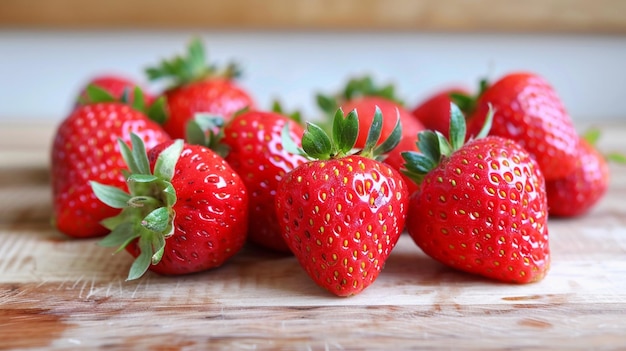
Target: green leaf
{"type": "Point", "coordinates": [345, 130]}
{"type": "Point", "coordinates": [139, 154]}
{"type": "Point", "coordinates": [143, 261]}
{"type": "Point", "coordinates": [616, 157]}
{"type": "Point", "coordinates": [96, 94]}
{"type": "Point", "coordinates": [157, 111]}
{"type": "Point", "coordinates": [592, 136]}
{"type": "Point", "coordinates": [194, 134]}
{"type": "Point", "coordinates": [288, 143]}
{"type": "Point", "coordinates": [138, 101]}
{"type": "Point", "coordinates": [169, 194]}
{"type": "Point", "coordinates": [316, 143]}
{"type": "Point", "coordinates": [374, 132]}
{"type": "Point", "coordinates": [428, 144]}
{"type": "Point", "coordinates": [392, 140]}
{"type": "Point", "coordinates": [457, 127]}
{"type": "Point", "coordinates": [418, 163]}
{"type": "Point", "coordinates": [167, 159]}
{"type": "Point", "coordinates": [128, 156]}
{"type": "Point", "coordinates": [326, 103]}
{"type": "Point", "coordinates": [157, 220]}
{"type": "Point", "coordinates": [142, 178]}
{"type": "Point", "coordinates": [484, 131]}
{"type": "Point", "coordinates": [120, 237]}
{"type": "Point", "coordinates": [444, 146]}
{"type": "Point", "coordinates": [158, 247]}
{"type": "Point", "coordinates": [110, 195]}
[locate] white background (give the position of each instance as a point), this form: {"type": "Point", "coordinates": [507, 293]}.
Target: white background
{"type": "Point", "coordinates": [41, 72]}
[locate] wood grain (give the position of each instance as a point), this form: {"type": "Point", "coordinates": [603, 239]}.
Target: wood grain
{"type": "Point", "coordinates": [579, 16]}
{"type": "Point", "coordinates": [58, 293]}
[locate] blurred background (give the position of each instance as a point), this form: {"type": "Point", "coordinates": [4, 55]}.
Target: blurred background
{"type": "Point", "coordinates": [290, 50]}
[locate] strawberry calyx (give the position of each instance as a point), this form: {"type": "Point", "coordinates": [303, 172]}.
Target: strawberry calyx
{"type": "Point", "coordinates": [207, 130]}
{"type": "Point", "coordinates": [592, 135]}
{"type": "Point", "coordinates": [355, 88]}
{"type": "Point", "coordinates": [318, 145]}
{"type": "Point", "coordinates": [466, 102]}
{"type": "Point", "coordinates": [434, 146]}
{"type": "Point", "coordinates": [147, 208]}
{"type": "Point", "coordinates": [295, 115]}
{"type": "Point", "coordinates": [184, 69]}
{"type": "Point", "coordinates": [156, 111]}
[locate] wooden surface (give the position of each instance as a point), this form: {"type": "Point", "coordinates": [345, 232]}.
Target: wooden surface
{"type": "Point", "coordinates": [580, 16]}
{"type": "Point", "coordinates": [57, 293]}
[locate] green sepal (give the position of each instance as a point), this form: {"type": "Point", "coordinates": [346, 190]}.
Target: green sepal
{"type": "Point", "coordinates": [208, 130]}
{"type": "Point", "coordinates": [157, 220]}
{"type": "Point", "coordinates": [458, 129]}
{"type": "Point", "coordinates": [616, 157]}
{"type": "Point", "coordinates": [95, 94]}
{"type": "Point", "coordinates": [365, 86]}
{"type": "Point", "coordinates": [486, 128]}
{"type": "Point", "coordinates": [157, 111]}
{"type": "Point", "coordinates": [288, 143]}
{"type": "Point", "coordinates": [143, 261]}
{"type": "Point", "coordinates": [112, 196]}
{"type": "Point", "coordinates": [391, 142]}
{"type": "Point", "coordinates": [316, 143]}
{"type": "Point", "coordinates": [167, 159]}
{"type": "Point", "coordinates": [148, 212]}
{"type": "Point", "coordinates": [345, 130]}
{"type": "Point", "coordinates": [190, 67]}
{"type": "Point", "coordinates": [373, 134]}
{"type": "Point", "coordinates": [326, 103]}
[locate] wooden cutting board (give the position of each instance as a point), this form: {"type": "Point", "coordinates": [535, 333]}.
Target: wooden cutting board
{"type": "Point", "coordinates": [58, 293]}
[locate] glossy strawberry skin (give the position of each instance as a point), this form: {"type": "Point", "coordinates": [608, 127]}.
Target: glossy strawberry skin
{"type": "Point", "coordinates": [211, 212]}
{"type": "Point", "coordinates": [528, 111]}
{"type": "Point", "coordinates": [256, 153]}
{"type": "Point", "coordinates": [213, 95]}
{"type": "Point", "coordinates": [85, 148]}
{"type": "Point", "coordinates": [116, 86]}
{"type": "Point", "coordinates": [483, 210]}
{"type": "Point", "coordinates": [577, 193]}
{"type": "Point", "coordinates": [341, 218]}
{"type": "Point", "coordinates": [366, 106]}
{"type": "Point", "coordinates": [434, 111]}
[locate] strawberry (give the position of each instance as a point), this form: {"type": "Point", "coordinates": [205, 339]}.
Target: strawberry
{"type": "Point", "coordinates": [342, 213]}
{"type": "Point", "coordinates": [528, 111]}
{"type": "Point", "coordinates": [481, 207]}
{"type": "Point", "coordinates": [185, 212]}
{"type": "Point", "coordinates": [255, 151]}
{"type": "Point", "coordinates": [197, 87]}
{"type": "Point", "coordinates": [362, 95]}
{"type": "Point", "coordinates": [434, 111]}
{"type": "Point", "coordinates": [578, 192]}
{"type": "Point", "coordinates": [85, 148]}
{"type": "Point", "coordinates": [114, 85]}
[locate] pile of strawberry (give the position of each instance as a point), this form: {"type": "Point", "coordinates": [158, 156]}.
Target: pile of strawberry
{"type": "Point", "coordinates": [184, 178]}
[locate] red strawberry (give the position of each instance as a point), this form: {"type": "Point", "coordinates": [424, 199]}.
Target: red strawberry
{"type": "Point", "coordinates": [186, 210]}
{"type": "Point", "coordinates": [528, 111]}
{"type": "Point", "coordinates": [434, 111]}
{"type": "Point", "coordinates": [257, 154]}
{"type": "Point", "coordinates": [481, 207]}
{"type": "Point", "coordinates": [342, 214]}
{"type": "Point", "coordinates": [198, 88]}
{"type": "Point", "coordinates": [85, 147]}
{"type": "Point", "coordinates": [577, 193]}
{"type": "Point", "coordinates": [362, 95]}
{"type": "Point", "coordinates": [114, 85]}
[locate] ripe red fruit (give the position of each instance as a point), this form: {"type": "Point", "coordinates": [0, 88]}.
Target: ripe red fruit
{"type": "Point", "coordinates": [579, 191]}
{"type": "Point", "coordinates": [115, 85]}
{"type": "Point", "coordinates": [342, 214]}
{"type": "Point", "coordinates": [528, 111]}
{"type": "Point", "coordinates": [257, 154]}
{"type": "Point", "coordinates": [186, 210]}
{"type": "Point", "coordinates": [434, 111]}
{"type": "Point", "coordinates": [481, 207]}
{"type": "Point", "coordinates": [198, 88]}
{"type": "Point", "coordinates": [85, 148]}
{"type": "Point", "coordinates": [362, 95]}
